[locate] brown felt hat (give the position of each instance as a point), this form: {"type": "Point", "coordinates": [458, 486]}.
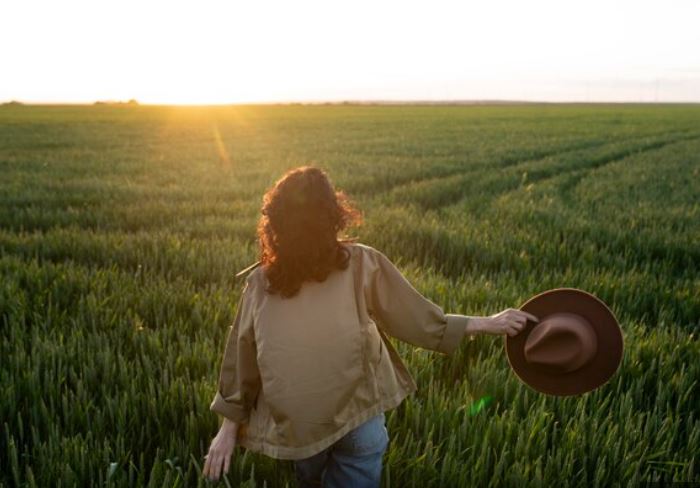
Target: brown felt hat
{"type": "Point", "coordinates": [574, 348]}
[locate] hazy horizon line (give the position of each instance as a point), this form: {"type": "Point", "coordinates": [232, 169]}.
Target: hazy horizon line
{"type": "Point", "coordinates": [367, 101]}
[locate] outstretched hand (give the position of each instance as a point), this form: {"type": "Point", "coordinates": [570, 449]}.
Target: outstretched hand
{"type": "Point", "coordinates": [220, 451]}
{"type": "Point", "coordinates": [510, 321]}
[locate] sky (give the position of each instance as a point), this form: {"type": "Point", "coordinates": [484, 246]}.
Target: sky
{"type": "Point", "coordinates": [220, 52]}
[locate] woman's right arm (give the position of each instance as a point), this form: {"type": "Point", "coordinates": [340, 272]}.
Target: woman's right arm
{"type": "Point", "coordinates": [410, 317]}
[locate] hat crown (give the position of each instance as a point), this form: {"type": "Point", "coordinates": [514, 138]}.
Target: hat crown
{"type": "Point", "coordinates": [562, 342]}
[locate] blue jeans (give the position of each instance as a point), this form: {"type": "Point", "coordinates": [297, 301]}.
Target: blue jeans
{"type": "Point", "coordinates": [353, 461]}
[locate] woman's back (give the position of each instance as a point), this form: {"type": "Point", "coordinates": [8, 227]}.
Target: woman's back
{"type": "Point", "coordinates": [308, 369]}
{"type": "Point", "coordinates": [309, 351]}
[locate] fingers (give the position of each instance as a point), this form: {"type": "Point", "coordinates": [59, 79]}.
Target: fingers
{"type": "Point", "coordinates": [218, 457]}
{"type": "Point", "coordinates": [530, 316]}
{"type": "Point", "coordinates": [513, 327]}
{"type": "Point", "coordinates": [227, 462]}
{"type": "Point", "coordinates": [214, 463]}
{"type": "Point", "coordinates": [215, 471]}
{"type": "Point", "coordinates": [212, 466]}
{"type": "Point", "coordinates": [512, 321]}
{"type": "Point", "coordinates": [207, 463]}
{"type": "Point", "coordinates": [521, 316]}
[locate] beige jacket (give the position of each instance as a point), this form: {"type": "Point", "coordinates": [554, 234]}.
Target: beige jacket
{"type": "Point", "coordinates": [299, 373]}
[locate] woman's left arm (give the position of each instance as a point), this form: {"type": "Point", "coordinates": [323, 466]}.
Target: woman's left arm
{"type": "Point", "coordinates": [239, 384]}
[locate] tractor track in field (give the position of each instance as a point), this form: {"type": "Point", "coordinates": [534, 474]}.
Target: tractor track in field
{"type": "Point", "coordinates": [395, 191]}
{"type": "Point", "coordinates": [466, 170]}
{"type": "Point", "coordinates": [574, 177]}
{"type": "Point", "coordinates": [505, 163]}
{"type": "Point", "coordinates": [577, 173]}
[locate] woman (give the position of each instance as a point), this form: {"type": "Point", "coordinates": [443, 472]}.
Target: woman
{"type": "Point", "coordinates": [308, 371]}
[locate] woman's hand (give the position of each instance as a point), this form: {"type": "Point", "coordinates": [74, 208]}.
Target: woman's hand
{"type": "Point", "coordinates": [510, 321]}
{"type": "Point", "coordinates": [220, 451]}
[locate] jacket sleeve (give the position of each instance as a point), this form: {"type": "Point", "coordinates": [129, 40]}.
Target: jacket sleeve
{"type": "Point", "coordinates": [406, 314]}
{"type": "Point", "coordinates": [239, 377]}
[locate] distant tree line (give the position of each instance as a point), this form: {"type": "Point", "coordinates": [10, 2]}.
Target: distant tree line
{"type": "Point", "coordinates": [133, 101]}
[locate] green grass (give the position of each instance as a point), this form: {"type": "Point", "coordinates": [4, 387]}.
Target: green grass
{"type": "Point", "coordinates": [121, 229]}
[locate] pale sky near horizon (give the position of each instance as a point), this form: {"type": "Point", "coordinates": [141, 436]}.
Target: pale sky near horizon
{"type": "Point", "coordinates": [257, 51]}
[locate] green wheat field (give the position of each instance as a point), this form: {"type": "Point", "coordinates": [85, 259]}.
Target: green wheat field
{"type": "Point", "coordinates": [121, 229]}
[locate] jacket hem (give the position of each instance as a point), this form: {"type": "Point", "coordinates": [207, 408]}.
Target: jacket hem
{"type": "Point", "coordinates": [296, 453]}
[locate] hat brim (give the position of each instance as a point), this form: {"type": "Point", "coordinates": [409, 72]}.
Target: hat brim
{"type": "Point", "coordinates": [590, 376]}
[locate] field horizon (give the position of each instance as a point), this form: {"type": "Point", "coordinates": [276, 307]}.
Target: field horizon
{"type": "Point", "coordinates": [353, 102]}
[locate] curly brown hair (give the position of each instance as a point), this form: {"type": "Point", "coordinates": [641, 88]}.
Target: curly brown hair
{"type": "Point", "coordinates": [302, 215]}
